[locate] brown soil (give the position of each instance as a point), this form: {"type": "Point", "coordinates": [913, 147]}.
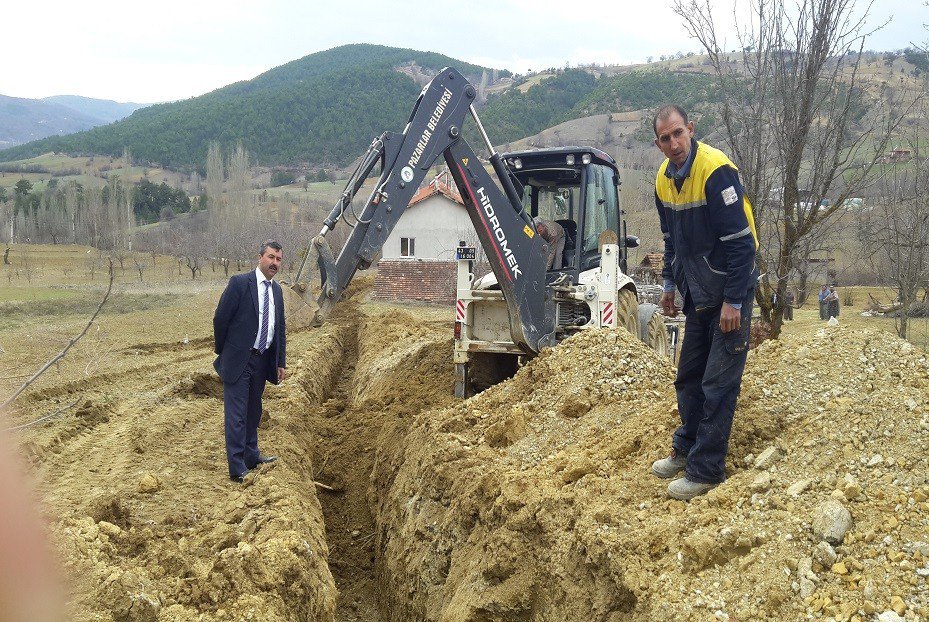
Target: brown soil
{"type": "Point", "coordinates": [531, 501]}
{"type": "Point", "coordinates": [534, 501]}
{"type": "Point", "coordinates": [392, 366]}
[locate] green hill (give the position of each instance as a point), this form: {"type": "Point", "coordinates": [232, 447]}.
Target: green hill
{"type": "Point", "coordinates": [323, 108]}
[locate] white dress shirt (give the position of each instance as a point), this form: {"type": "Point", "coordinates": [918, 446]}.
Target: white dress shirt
{"type": "Point", "coordinates": [261, 310]}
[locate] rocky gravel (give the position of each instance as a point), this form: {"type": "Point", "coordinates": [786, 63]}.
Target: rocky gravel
{"type": "Point", "coordinates": [534, 501]}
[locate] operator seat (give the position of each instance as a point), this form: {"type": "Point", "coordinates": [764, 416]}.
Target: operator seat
{"type": "Point", "coordinates": [570, 241]}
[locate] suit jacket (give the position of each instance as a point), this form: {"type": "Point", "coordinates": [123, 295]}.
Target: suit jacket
{"type": "Point", "coordinates": [235, 326]}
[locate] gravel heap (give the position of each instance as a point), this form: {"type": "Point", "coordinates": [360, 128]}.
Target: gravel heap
{"type": "Point", "coordinates": [534, 499]}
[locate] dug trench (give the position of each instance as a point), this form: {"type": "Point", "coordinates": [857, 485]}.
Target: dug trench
{"type": "Point", "coordinates": [391, 367]}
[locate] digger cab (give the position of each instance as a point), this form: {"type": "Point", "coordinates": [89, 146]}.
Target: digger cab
{"type": "Point", "coordinates": [576, 187]}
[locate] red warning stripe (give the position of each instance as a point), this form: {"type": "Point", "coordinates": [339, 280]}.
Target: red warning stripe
{"type": "Point", "coordinates": [460, 311]}
{"type": "Point", "coordinates": [606, 316]}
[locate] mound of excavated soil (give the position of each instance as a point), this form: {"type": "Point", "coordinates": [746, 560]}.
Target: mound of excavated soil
{"type": "Point", "coordinates": [531, 501]}
{"type": "Point", "coordinates": [534, 501]}
{"type": "Point", "coordinates": [146, 521]}
{"type": "Point", "coordinates": [150, 528]}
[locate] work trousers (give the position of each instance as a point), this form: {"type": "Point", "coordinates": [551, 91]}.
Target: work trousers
{"type": "Point", "coordinates": [709, 377]}
{"type": "Point", "coordinates": [242, 405]}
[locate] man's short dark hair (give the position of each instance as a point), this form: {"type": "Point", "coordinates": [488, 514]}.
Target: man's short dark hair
{"type": "Point", "coordinates": [666, 111]}
{"type": "Point", "coordinates": [269, 244]}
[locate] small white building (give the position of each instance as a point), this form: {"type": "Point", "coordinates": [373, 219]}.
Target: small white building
{"type": "Point", "coordinates": [433, 225]}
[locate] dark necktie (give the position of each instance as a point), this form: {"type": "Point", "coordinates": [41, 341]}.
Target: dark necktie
{"type": "Point", "coordinates": [263, 334]}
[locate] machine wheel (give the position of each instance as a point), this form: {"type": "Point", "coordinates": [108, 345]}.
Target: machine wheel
{"type": "Point", "coordinates": [653, 332]}
{"type": "Point", "coordinates": [627, 311]}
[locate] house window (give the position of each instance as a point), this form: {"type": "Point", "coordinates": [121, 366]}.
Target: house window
{"type": "Point", "coordinates": [407, 247]}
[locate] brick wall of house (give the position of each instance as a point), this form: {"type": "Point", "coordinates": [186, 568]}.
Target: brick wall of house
{"type": "Point", "coordinates": [424, 280]}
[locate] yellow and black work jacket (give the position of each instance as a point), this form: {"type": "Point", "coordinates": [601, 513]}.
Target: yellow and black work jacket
{"type": "Point", "coordinates": [709, 232]}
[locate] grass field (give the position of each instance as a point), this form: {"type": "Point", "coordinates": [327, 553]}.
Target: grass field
{"type": "Point", "coordinates": [84, 170]}
{"type": "Point", "coordinates": [32, 294]}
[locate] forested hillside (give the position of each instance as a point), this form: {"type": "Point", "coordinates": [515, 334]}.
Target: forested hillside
{"type": "Point", "coordinates": [323, 108]}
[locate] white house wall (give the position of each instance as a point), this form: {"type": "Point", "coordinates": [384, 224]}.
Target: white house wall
{"type": "Point", "coordinates": [437, 224]}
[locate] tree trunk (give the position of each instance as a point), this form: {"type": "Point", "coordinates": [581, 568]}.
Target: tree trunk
{"type": "Point", "coordinates": [801, 288]}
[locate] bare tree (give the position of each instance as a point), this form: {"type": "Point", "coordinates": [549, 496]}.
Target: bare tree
{"type": "Point", "coordinates": [74, 197]}
{"type": "Point", "coordinates": [120, 255]}
{"type": "Point", "coordinates": [140, 265]}
{"type": "Point", "coordinates": [92, 218]}
{"type": "Point", "coordinates": [790, 102]}
{"type": "Point", "coordinates": [896, 231]}
{"type": "Point", "coordinates": [127, 197]}
{"type": "Point", "coordinates": [215, 176]}
{"type": "Point", "coordinates": [91, 262]}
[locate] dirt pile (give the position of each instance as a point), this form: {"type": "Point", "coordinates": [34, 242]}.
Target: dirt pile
{"type": "Point", "coordinates": [533, 501]}
{"type": "Point", "coordinates": [146, 521]}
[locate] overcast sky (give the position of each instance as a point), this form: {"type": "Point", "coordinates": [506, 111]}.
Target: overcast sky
{"type": "Point", "coordinates": [174, 49]}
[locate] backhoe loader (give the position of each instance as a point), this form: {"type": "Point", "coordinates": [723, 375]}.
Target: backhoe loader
{"type": "Point", "coordinates": [528, 301]}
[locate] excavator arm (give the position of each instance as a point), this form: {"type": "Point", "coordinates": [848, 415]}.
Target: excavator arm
{"type": "Point", "coordinates": [516, 252]}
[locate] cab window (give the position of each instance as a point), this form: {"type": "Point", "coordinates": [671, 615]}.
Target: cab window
{"type": "Point", "coordinates": [602, 211]}
{"type": "Point", "coordinates": [552, 202]}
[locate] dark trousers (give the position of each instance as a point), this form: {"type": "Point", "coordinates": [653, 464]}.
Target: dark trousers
{"type": "Point", "coordinates": [709, 377]}
{"type": "Point", "coordinates": [242, 405]}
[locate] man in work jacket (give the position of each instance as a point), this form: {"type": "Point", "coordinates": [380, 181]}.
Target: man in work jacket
{"type": "Point", "coordinates": [710, 243]}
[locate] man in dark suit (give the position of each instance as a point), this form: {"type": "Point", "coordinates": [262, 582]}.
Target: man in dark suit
{"type": "Point", "coordinates": [248, 330]}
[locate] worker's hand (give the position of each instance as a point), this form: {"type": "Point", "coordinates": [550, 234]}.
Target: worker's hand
{"type": "Point", "coordinates": [281, 373]}
{"type": "Point", "coordinates": [667, 304]}
{"type": "Point", "coordinates": [730, 318]}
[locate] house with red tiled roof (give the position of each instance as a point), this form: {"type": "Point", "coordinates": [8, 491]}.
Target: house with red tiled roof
{"type": "Point", "coordinates": [649, 269]}
{"type": "Point", "coordinates": [433, 225]}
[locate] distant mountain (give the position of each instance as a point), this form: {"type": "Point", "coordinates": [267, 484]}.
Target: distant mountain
{"type": "Point", "coordinates": [23, 120]}
{"type": "Point", "coordinates": [324, 108]}
{"type": "Point", "coordinates": [105, 110]}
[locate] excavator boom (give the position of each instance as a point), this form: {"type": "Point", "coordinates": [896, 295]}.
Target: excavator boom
{"type": "Point", "coordinates": [514, 249]}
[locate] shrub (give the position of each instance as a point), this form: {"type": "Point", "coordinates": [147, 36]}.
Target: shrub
{"type": "Point", "coordinates": [282, 178]}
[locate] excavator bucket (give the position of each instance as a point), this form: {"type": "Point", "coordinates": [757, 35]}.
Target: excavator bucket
{"type": "Point", "coordinates": [311, 283]}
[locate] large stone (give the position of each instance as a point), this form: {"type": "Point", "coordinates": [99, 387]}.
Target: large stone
{"type": "Point", "coordinates": [761, 483]}
{"type": "Point", "coordinates": [850, 487]}
{"type": "Point", "coordinates": [768, 458]}
{"type": "Point", "coordinates": [149, 483]}
{"type": "Point", "coordinates": [798, 488]}
{"type": "Point", "coordinates": [807, 587]}
{"type": "Point", "coordinates": [831, 521]}
{"type": "Point", "coordinates": [824, 554]}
